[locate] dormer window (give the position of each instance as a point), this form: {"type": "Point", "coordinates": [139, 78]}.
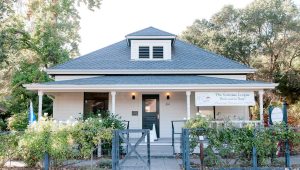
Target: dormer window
{"type": "Point", "coordinates": [151, 50]}
{"type": "Point", "coordinates": [158, 52]}
{"type": "Point", "coordinates": [144, 52]}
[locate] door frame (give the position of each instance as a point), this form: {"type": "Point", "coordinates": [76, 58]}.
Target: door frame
{"type": "Point", "coordinates": [152, 96]}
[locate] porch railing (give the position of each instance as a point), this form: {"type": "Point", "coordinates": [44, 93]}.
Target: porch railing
{"type": "Point", "coordinates": [235, 123]}
{"type": "Point", "coordinates": [182, 122]}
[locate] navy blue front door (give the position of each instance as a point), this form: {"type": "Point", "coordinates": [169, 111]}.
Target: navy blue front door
{"type": "Point", "coordinates": [151, 112]}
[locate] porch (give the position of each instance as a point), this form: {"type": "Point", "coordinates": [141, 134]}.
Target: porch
{"type": "Point", "coordinates": [142, 111]}
{"type": "Point", "coordinates": [145, 100]}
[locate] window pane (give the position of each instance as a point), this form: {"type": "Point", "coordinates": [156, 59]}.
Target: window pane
{"type": "Point", "coordinates": [158, 51]}
{"type": "Point", "coordinates": [150, 105]}
{"type": "Point", "coordinates": [144, 52]}
{"type": "Point", "coordinates": [94, 102]}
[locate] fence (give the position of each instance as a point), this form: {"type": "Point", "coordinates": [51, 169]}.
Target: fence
{"type": "Point", "coordinates": [177, 126]}
{"type": "Point", "coordinates": [240, 148]}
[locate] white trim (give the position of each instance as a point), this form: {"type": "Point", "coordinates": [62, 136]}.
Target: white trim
{"type": "Point", "coordinates": [113, 102]}
{"type": "Point", "coordinates": [149, 71]}
{"type": "Point", "coordinates": [188, 104]}
{"type": "Point", "coordinates": [40, 109]}
{"type": "Point", "coordinates": [261, 105]}
{"type": "Point", "coordinates": [145, 87]}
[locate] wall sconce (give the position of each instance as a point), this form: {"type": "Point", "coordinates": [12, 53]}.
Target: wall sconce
{"type": "Point", "coordinates": [133, 96]}
{"type": "Point", "coordinates": [168, 96]}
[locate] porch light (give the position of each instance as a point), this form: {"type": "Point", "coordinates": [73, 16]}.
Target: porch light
{"type": "Point", "coordinates": [168, 96]}
{"type": "Point", "coordinates": [133, 96]}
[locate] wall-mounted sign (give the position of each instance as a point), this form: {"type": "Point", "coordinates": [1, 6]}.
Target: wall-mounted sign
{"type": "Point", "coordinates": [276, 115]}
{"type": "Point", "coordinates": [224, 99]}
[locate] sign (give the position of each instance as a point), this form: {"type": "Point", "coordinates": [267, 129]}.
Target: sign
{"type": "Point", "coordinates": [224, 99]}
{"type": "Point", "coordinates": [276, 115]}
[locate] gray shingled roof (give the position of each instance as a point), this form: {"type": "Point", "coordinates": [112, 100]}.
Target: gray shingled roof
{"type": "Point", "coordinates": [152, 80]}
{"type": "Point", "coordinates": [150, 31]}
{"type": "Point", "coordinates": [117, 57]}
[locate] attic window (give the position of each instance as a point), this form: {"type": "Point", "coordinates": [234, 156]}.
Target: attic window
{"type": "Point", "coordinates": [144, 52]}
{"type": "Point", "coordinates": [158, 52]}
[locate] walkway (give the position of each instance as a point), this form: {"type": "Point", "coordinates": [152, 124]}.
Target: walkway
{"type": "Point", "coordinates": [156, 164]}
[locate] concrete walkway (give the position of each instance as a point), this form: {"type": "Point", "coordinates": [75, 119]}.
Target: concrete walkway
{"type": "Point", "coordinates": [156, 164]}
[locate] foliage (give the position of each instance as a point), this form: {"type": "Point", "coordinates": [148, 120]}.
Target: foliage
{"type": "Point", "coordinates": [19, 100]}
{"type": "Point", "coordinates": [65, 140]}
{"type": "Point", "coordinates": [197, 122]}
{"type": "Point", "coordinates": [294, 112]}
{"type": "Point", "coordinates": [289, 85]}
{"type": "Point", "coordinates": [231, 143]}
{"type": "Point", "coordinates": [263, 35]}
{"type": "Point", "coordinates": [35, 35]}
{"type": "Point", "coordinates": [2, 125]}
{"type": "Point", "coordinates": [8, 145]}
{"type": "Point", "coordinates": [18, 122]}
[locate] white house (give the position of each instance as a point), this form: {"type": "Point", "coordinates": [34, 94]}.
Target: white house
{"type": "Point", "coordinates": [149, 78]}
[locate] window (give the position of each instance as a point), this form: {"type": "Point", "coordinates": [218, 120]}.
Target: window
{"type": "Point", "coordinates": [158, 52]}
{"type": "Point", "coordinates": [95, 102]}
{"type": "Point", "coordinates": [150, 105]}
{"type": "Point", "coordinates": [144, 52]}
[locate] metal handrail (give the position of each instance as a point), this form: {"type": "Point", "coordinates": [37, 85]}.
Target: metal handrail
{"type": "Point", "coordinates": [173, 132]}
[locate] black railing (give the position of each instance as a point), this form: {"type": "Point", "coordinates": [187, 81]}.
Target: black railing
{"type": "Point", "coordinates": [176, 133]}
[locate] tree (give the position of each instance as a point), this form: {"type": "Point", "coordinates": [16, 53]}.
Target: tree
{"type": "Point", "coordinates": [264, 35]}
{"type": "Point", "coordinates": [45, 35]}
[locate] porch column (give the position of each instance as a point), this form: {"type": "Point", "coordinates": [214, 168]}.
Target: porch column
{"type": "Point", "coordinates": [113, 102]}
{"type": "Point", "coordinates": [261, 105]}
{"type": "Point", "coordinates": [40, 94]}
{"type": "Point", "coordinates": [188, 104]}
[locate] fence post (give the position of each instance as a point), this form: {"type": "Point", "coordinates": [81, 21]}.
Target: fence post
{"type": "Point", "coordinates": [186, 148]}
{"type": "Point", "coordinates": [148, 149]}
{"type": "Point", "coordinates": [254, 154]}
{"type": "Point", "coordinates": [287, 148]}
{"type": "Point", "coordinates": [270, 112]}
{"type": "Point", "coordinates": [46, 161]}
{"type": "Point", "coordinates": [115, 159]}
{"type": "Point", "coordinates": [172, 135]}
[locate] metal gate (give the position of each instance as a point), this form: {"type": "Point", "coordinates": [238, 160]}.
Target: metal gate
{"type": "Point", "coordinates": [125, 144]}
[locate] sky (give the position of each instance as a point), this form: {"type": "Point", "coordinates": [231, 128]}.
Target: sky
{"type": "Point", "coordinates": [117, 18]}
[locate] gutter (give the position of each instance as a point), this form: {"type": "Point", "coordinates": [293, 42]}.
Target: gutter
{"type": "Point", "coordinates": [137, 87]}
{"type": "Point", "coordinates": [156, 71]}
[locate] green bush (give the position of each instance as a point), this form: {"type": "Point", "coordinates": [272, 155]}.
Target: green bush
{"type": "Point", "coordinates": [230, 142]}
{"type": "Point", "coordinates": [18, 122]}
{"type": "Point", "coordinates": [66, 141]}
{"type": "Point", "coordinates": [8, 146]}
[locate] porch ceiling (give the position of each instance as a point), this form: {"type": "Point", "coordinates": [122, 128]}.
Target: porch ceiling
{"type": "Point", "coordinates": [151, 82]}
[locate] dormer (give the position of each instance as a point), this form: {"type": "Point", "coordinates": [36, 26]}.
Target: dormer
{"type": "Point", "coordinates": [150, 44]}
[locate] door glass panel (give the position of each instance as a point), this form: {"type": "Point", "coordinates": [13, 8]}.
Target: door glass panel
{"type": "Point", "coordinates": [150, 105]}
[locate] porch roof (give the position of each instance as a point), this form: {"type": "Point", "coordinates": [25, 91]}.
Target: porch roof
{"type": "Point", "coordinates": [151, 82]}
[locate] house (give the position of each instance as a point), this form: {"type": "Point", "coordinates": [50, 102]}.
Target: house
{"type": "Point", "coordinates": [149, 78]}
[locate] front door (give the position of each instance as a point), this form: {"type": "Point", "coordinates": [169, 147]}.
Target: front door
{"type": "Point", "coordinates": [151, 112]}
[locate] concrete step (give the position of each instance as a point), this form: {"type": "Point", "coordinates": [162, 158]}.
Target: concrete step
{"type": "Point", "coordinates": [155, 150]}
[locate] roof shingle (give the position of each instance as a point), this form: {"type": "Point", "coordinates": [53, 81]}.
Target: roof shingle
{"type": "Point", "coordinates": [117, 57]}
{"type": "Point", "coordinates": [152, 80]}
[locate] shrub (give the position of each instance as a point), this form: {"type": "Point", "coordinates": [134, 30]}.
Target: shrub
{"type": "Point", "coordinates": [18, 122]}
{"type": "Point", "coordinates": [8, 146]}
{"type": "Point", "coordinates": [64, 141]}
{"type": "Point", "coordinates": [237, 143]}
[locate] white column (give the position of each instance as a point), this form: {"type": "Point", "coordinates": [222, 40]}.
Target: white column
{"type": "Point", "coordinates": [40, 93]}
{"type": "Point", "coordinates": [261, 105]}
{"type": "Point", "coordinates": [188, 104]}
{"type": "Point", "coordinates": [113, 102]}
